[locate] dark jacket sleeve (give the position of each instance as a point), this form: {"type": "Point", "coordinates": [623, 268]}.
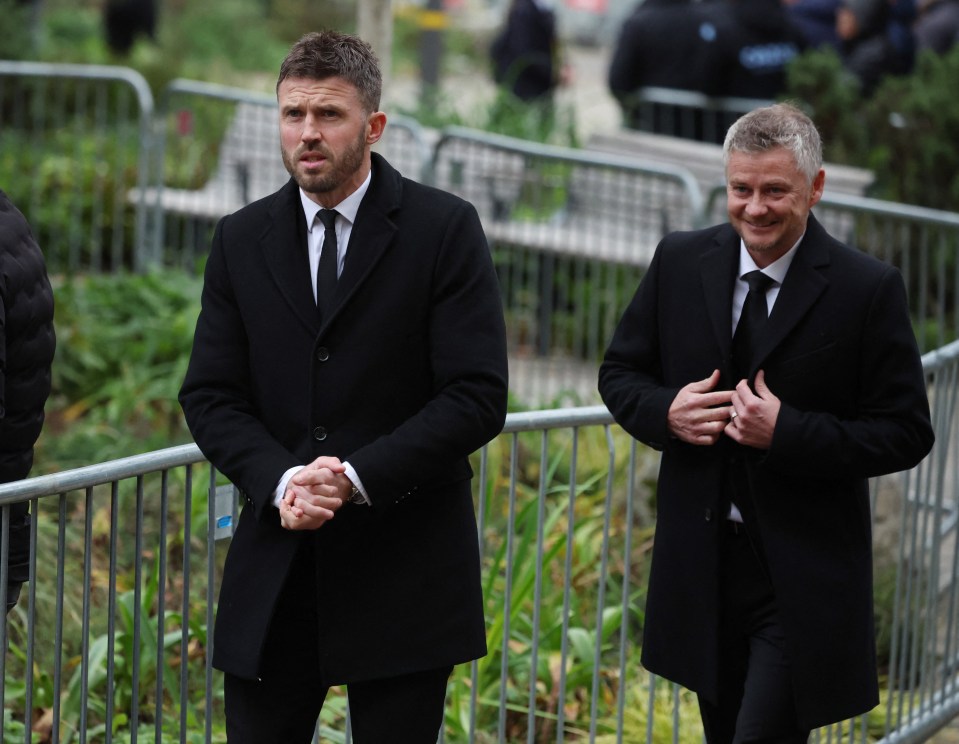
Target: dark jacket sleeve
{"type": "Point", "coordinates": [890, 430]}
{"type": "Point", "coordinates": [631, 375]}
{"type": "Point", "coordinates": [218, 396]}
{"type": "Point", "coordinates": [467, 358]}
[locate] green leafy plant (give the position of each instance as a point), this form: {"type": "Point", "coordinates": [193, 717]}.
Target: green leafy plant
{"type": "Point", "coordinates": [533, 602]}
{"type": "Point", "coordinates": [903, 132]}
{"type": "Point", "coordinates": [123, 342]}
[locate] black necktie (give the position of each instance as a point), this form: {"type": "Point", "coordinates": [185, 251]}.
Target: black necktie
{"type": "Point", "coordinates": [326, 269]}
{"type": "Point", "coordinates": [751, 321]}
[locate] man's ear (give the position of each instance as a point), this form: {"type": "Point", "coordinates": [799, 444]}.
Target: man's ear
{"type": "Point", "coordinates": [818, 183]}
{"type": "Point", "coordinates": [375, 124]}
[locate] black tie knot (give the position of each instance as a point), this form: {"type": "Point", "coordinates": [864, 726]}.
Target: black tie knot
{"type": "Point", "coordinates": [327, 217]}
{"type": "Point", "coordinates": [758, 281]}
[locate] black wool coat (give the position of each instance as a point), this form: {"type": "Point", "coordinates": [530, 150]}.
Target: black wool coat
{"type": "Point", "coordinates": [404, 380]}
{"type": "Point", "coordinates": [839, 352]}
{"type": "Point", "coordinates": [27, 345]}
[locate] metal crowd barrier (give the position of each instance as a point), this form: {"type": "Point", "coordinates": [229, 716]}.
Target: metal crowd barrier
{"type": "Point", "coordinates": [111, 639]}
{"type": "Point", "coordinates": [685, 113]}
{"type": "Point", "coordinates": [114, 184]}
{"type": "Point", "coordinates": [71, 147]}
{"type": "Point", "coordinates": [571, 234]}
{"type": "Point", "coordinates": [922, 243]}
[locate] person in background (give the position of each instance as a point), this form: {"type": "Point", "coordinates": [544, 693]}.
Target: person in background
{"type": "Point", "coordinates": [816, 21]}
{"type": "Point", "coordinates": [349, 355]}
{"type": "Point", "coordinates": [662, 44]}
{"type": "Point", "coordinates": [874, 38]}
{"type": "Point", "coordinates": [525, 52]}
{"type": "Point", "coordinates": [125, 21]}
{"type": "Point", "coordinates": [777, 371]}
{"type": "Point", "coordinates": [724, 48]}
{"type": "Point", "coordinates": [937, 26]}
{"type": "Point", "coordinates": [27, 345]}
{"type": "Point", "coordinates": [755, 42]}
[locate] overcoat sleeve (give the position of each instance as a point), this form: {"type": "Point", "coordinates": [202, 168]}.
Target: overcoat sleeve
{"type": "Point", "coordinates": [889, 430]}
{"type": "Point", "coordinates": [467, 360]}
{"type": "Point", "coordinates": [631, 375]}
{"type": "Point", "coordinates": [217, 393]}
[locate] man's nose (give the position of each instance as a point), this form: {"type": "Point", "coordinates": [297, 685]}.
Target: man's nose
{"type": "Point", "coordinates": [755, 204]}
{"type": "Point", "coordinates": [311, 130]}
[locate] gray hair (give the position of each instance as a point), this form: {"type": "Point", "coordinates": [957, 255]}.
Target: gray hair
{"type": "Point", "coordinates": [326, 54]}
{"type": "Point", "coordinates": [779, 125]}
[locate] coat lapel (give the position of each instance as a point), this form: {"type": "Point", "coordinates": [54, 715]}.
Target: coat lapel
{"type": "Point", "coordinates": [372, 233]}
{"type": "Point", "coordinates": [718, 273]}
{"type": "Point", "coordinates": [284, 244]}
{"type": "Point", "coordinates": [801, 289]}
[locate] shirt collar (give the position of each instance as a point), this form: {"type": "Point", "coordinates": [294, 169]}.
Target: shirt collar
{"type": "Point", "coordinates": [346, 208]}
{"type": "Point", "coordinates": [776, 270]}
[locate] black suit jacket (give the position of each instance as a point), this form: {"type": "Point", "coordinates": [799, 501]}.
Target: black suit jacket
{"type": "Point", "coordinates": [404, 379]}
{"type": "Point", "coordinates": [839, 352]}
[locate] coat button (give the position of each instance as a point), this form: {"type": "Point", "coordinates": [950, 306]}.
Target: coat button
{"type": "Point", "coordinates": [319, 433]}
{"type": "Point", "coordinates": [709, 515]}
{"type": "Point", "coordinates": [322, 353]}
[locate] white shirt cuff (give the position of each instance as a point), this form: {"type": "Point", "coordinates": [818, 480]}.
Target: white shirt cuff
{"type": "Point", "coordinates": [281, 486]}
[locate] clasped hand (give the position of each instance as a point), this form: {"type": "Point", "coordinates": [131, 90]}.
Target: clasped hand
{"type": "Point", "coordinates": [700, 414]}
{"type": "Point", "coordinates": [314, 494]}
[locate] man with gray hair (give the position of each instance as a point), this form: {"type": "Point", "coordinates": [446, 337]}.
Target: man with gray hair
{"type": "Point", "coordinates": [777, 371]}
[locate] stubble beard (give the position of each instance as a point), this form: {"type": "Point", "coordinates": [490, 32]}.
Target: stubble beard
{"type": "Point", "coordinates": [754, 246]}
{"type": "Point", "coordinates": [341, 168]}
{"type": "Point", "coordinates": [760, 247]}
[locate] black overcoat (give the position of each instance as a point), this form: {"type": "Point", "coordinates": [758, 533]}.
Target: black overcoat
{"type": "Point", "coordinates": [840, 353]}
{"type": "Point", "coordinates": [404, 380]}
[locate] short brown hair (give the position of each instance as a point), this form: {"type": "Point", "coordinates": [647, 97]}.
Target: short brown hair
{"type": "Point", "coordinates": [325, 54]}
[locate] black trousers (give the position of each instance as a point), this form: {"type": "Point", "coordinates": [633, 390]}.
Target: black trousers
{"type": "Point", "coordinates": [756, 703]}
{"type": "Point", "coordinates": [400, 710]}
{"type": "Point", "coordinates": [282, 706]}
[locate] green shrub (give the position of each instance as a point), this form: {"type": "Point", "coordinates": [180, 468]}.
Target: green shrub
{"type": "Point", "coordinates": [905, 132]}
{"type": "Point", "coordinates": [75, 198]}
{"type": "Point", "coordinates": [123, 343]}
{"type": "Point", "coordinates": [831, 97]}
{"type": "Point", "coordinates": [14, 43]}
{"type": "Point", "coordinates": [912, 122]}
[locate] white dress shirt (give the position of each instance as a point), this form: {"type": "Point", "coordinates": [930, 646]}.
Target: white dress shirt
{"type": "Point", "coordinates": [346, 216]}
{"type": "Point", "coordinates": [775, 271]}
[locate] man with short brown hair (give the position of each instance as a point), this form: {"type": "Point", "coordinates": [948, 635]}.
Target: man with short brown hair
{"type": "Point", "coordinates": [349, 355]}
